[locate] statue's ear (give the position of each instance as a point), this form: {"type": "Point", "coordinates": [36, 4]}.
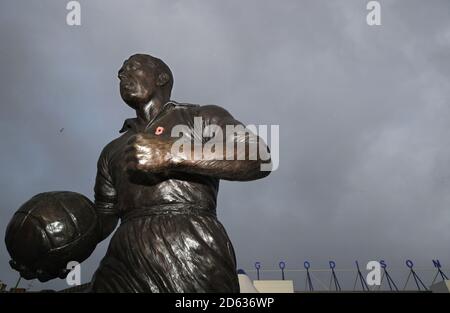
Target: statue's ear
{"type": "Point", "coordinates": [163, 78]}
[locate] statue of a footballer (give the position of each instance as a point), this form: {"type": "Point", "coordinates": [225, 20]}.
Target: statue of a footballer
{"type": "Point", "coordinates": [169, 238]}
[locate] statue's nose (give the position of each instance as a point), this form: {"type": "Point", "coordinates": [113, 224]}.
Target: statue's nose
{"type": "Point", "coordinates": [121, 74]}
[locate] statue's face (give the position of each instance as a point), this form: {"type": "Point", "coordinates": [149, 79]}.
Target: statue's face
{"type": "Point", "coordinates": [137, 81]}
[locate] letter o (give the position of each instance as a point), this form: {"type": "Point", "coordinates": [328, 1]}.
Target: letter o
{"type": "Point", "coordinates": [409, 263]}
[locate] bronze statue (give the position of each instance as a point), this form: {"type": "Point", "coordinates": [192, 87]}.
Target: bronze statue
{"type": "Point", "coordinates": [169, 238]}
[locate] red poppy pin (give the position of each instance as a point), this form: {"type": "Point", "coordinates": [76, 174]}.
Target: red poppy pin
{"type": "Point", "coordinates": [159, 130]}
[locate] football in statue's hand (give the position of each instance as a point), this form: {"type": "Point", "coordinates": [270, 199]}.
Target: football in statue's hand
{"type": "Point", "coordinates": [50, 230]}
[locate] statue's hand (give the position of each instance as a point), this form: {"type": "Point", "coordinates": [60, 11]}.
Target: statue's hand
{"type": "Point", "coordinates": [149, 154]}
{"type": "Point", "coordinates": [40, 274]}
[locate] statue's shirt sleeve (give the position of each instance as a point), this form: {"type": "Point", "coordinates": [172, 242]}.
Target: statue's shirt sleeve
{"type": "Point", "coordinates": [105, 193]}
{"type": "Point", "coordinates": [217, 116]}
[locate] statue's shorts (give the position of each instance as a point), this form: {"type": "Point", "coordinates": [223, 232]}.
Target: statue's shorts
{"type": "Point", "coordinates": [168, 248]}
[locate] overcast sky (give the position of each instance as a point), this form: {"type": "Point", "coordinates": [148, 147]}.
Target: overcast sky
{"type": "Point", "coordinates": [363, 114]}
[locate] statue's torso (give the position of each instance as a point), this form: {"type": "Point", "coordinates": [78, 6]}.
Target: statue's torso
{"type": "Point", "coordinates": [142, 190]}
{"type": "Point", "coordinates": [184, 250]}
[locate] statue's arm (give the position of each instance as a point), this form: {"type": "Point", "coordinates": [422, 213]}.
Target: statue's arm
{"type": "Point", "coordinates": [244, 155]}
{"type": "Point", "coordinates": [239, 155]}
{"type": "Point", "coordinates": [105, 198]}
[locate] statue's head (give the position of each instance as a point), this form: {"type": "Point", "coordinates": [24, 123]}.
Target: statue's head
{"type": "Point", "coordinates": [143, 77]}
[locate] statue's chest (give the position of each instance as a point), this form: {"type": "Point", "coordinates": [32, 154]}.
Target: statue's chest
{"type": "Point", "coordinates": [175, 124]}
{"type": "Point", "coordinates": [170, 125]}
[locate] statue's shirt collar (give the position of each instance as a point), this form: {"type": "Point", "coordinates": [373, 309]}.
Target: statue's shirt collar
{"type": "Point", "coordinates": [133, 123]}
{"type": "Point", "coordinates": [129, 124]}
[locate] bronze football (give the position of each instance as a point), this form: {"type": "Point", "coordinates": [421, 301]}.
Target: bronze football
{"type": "Point", "coordinates": [50, 230]}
